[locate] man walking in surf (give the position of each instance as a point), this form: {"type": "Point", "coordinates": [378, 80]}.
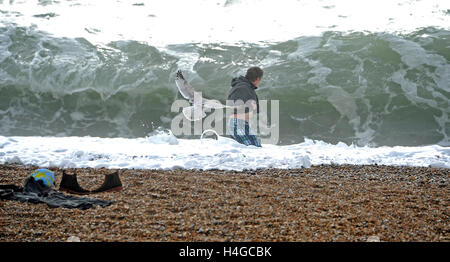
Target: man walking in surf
{"type": "Point", "coordinates": [243, 90]}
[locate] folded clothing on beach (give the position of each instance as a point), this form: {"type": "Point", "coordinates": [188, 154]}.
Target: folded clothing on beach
{"type": "Point", "coordinates": [36, 192]}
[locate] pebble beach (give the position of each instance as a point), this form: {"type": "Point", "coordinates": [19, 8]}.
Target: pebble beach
{"type": "Point", "coordinates": [327, 203]}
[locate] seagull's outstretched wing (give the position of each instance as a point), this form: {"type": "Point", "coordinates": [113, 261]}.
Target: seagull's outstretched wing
{"type": "Point", "coordinates": [210, 103]}
{"type": "Point", "coordinates": [184, 87]}
{"type": "Point", "coordinates": [196, 111]}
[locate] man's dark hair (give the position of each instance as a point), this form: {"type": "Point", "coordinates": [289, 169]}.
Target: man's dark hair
{"type": "Point", "coordinates": [254, 73]}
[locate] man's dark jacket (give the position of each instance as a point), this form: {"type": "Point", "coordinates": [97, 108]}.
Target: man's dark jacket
{"type": "Point", "coordinates": [243, 89]}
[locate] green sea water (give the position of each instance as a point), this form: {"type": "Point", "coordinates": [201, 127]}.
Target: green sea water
{"type": "Point", "coordinates": [355, 87]}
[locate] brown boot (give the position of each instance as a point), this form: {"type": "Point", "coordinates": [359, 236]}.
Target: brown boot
{"type": "Point", "coordinates": [111, 183]}
{"type": "Point", "coordinates": [69, 183]}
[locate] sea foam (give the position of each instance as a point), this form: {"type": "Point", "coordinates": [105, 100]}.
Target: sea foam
{"type": "Point", "coordinates": [160, 152]}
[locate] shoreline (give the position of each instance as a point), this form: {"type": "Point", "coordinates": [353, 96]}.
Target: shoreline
{"type": "Point", "coordinates": [321, 203]}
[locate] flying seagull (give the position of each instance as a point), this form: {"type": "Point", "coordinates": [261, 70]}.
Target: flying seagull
{"type": "Point", "coordinates": [201, 104]}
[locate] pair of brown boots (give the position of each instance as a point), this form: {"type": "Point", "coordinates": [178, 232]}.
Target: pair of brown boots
{"type": "Point", "coordinates": [69, 183]}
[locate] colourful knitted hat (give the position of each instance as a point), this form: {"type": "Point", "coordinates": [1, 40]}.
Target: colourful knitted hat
{"type": "Point", "coordinates": [45, 175]}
